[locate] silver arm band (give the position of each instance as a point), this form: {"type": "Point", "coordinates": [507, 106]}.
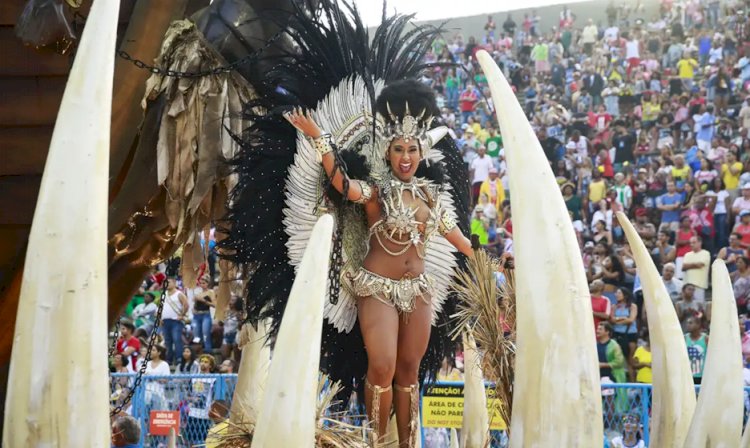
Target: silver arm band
{"type": "Point", "coordinates": [366, 192]}
{"type": "Point", "coordinates": [321, 145]}
{"type": "Point", "coordinates": [446, 223]}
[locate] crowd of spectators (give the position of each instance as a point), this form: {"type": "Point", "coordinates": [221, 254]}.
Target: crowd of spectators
{"type": "Point", "coordinates": [188, 342]}
{"type": "Point", "coordinates": [647, 115]}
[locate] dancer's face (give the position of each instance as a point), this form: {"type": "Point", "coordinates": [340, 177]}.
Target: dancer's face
{"type": "Point", "coordinates": [404, 157]}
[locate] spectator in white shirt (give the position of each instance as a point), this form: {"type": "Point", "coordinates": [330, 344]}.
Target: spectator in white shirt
{"type": "Point", "coordinates": [144, 314]}
{"type": "Point", "coordinates": [582, 146]}
{"type": "Point", "coordinates": [742, 203]}
{"type": "Point", "coordinates": [479, 171]}
{"type": "Point", "coordinates": [716, 54]}
{"type": "Point", "coordinates": [672, 283]}
{"type": "Point", "coordinates": [696, 265]}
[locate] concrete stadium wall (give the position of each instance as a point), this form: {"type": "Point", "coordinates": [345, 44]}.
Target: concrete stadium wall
{"type": "Point", "coordinates": [594, 9]}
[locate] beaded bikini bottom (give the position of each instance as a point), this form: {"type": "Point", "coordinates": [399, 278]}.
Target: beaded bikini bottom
{"type": "Point", "coordinates": [401, 294]}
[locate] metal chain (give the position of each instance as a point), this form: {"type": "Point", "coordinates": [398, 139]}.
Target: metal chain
{"type": "Point", "coordinates": [113, 347]}
{"type": "Point", "coordinates": [337, 259]}
{"type": "Point", "coordinates": [179, 74]}
{"type": "Point", "coordinates": [151, 342]}
{"type": "Point", "coordinates": [337, 262]}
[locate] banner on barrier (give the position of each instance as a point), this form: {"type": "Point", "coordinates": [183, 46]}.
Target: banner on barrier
{"type": "Point", "coordinates": [160, 422]}
{"type": "Point", "coordinates": [443, 407]}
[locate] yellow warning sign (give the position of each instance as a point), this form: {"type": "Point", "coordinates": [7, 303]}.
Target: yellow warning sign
{"type": "Point", "coordinates": [443, 407]}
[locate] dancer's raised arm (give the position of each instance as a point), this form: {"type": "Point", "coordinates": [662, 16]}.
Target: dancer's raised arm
{"type": "Point", "coordinates": [359, 191]}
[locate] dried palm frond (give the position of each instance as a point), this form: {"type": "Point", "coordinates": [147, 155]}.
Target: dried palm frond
{"type": "Point", "coordinates": [331, 431]}
{"type": "Point", "coordinates": [489, 312]}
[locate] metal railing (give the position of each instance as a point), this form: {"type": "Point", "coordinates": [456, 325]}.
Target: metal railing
{"type": "Point", "coordinates": [192, 396]}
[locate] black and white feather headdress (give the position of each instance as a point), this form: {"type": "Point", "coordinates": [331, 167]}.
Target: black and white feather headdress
{"type": "Point", "coordinates": [335, 70]}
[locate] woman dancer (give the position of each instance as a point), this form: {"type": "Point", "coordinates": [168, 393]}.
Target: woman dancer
{"type": "Point", "coordinates": [403, 214]}
{"type": "Point", "coordinates": [394, 187]}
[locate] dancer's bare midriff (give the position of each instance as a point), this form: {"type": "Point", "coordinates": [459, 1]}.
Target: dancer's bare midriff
{"type": "Point", "coordinates": [408, 265]}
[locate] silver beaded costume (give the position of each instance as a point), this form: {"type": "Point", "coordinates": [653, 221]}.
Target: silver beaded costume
{"type": "Point", "coordinates": [344, 113]}
{"type": "Point", "coordinates": [400, 228]}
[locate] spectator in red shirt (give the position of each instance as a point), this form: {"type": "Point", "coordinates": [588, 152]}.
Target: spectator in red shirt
{"type": "Point", "coordinates": [155, 280]}
{"type": "Point", "coordinates": [600, 305]}
{"type": "Point", "coordinates": [468, 102]}
{"type": "Point", "coordinates": [604, 163]}
{"type": "Point", "coordinates": [743, 229]}
{"type": "Point", "coordinates": [128, 345]}
{"type": "Point", "coordinates": [600, 121]}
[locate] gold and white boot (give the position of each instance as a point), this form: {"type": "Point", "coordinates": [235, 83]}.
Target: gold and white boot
{"type": "Point", "coordinates": [374, 415]}
{"type": "Point", "coordinates": [413, 392]}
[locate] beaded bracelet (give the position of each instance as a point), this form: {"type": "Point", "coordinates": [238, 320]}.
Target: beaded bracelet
{"type": "Point", "coordinates": [321, 145]}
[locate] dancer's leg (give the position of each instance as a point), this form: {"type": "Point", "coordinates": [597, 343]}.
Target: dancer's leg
{"type": "Point", "coordinates": [379, 325]}
{"type": "Point", "coordinates": [413, 337]}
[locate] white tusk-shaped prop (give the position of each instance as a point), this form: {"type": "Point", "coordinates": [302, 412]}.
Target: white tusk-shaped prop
{"type": "Point", "coordinates": [673, 392]}
{"type": "Point", "coordinates": [475, 426]}
{"type": "Point", "coordinates": [557, 393]}
{"type": "Point", "coordinates": [287, 418]}
{"type": "Point", "coordinates": [252, 376]}
{"type": "Point", "coordinates": [454, 438]}
{"type": "Point", "coordinates": [717, 421]}
{"type": "Point", "coordinates": [58, 393]}
{"type": "Point", "coordinates": [391, 433]}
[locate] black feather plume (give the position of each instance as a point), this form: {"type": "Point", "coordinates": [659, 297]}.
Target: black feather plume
{"type": "Point", "coordinates": [325, 42]}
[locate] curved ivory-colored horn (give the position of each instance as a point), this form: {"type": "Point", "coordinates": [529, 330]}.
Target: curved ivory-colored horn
{"type": "Point", "coordinates": [454, 438]}
{"type": "Point", "coordinates": [475, 426]}
{"type": "Point", "coordinates": [391, 433]}
{"type": "Point", "coordinates": [434, 135]}
{"type": "Point", "coordinates": [252, 376]}
{"type": "Point", "coordinates": [717, 421]}
{"type": "Point", "coordinates": [62, 312]}
{"type": "Point", "coordinates": [673, 392]}
{"type": "Point", "coordinates": [557, 395]}
{"type": "Point", "coordinates": [287, 417]}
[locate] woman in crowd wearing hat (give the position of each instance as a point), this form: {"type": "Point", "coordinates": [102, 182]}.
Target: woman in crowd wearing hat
{"type": "Point", "coordinates": [480, 225]}
{"type": "Point", "coordinates": [493, 188]}
{"type": "Point", "coordinates": [742, 228]}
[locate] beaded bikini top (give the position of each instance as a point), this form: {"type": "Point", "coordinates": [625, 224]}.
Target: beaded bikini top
{"type": "Point", "coordinates": [398, 224]}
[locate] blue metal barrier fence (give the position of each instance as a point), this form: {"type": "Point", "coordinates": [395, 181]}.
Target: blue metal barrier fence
{"type": "Point", "coordinates": [192, 396]}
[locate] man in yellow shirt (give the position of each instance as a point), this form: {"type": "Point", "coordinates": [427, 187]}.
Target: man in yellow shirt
{"type": "Point", "coordinates": [650, 110]}
{"type": "Point", "coordinates": [494, 190]}
{"type": "Point", "coordinates": [597, 188]}
{"type": "Point", "coordinates": [686, 70]}
{"type": "Point", "coordinates": [730, 174]}
{"type": "Point", "coordinates": [642, 362]}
